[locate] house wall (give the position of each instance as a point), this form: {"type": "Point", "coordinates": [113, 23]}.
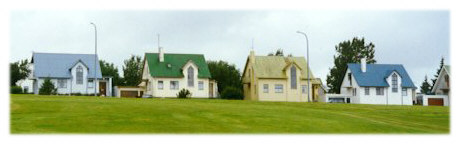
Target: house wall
{"type": "Point", "coordinates": [441, 84]}
{"type": "Point", "coordinates": [344, 90]}
{"type": "Point", "coordinates": [396, 98]}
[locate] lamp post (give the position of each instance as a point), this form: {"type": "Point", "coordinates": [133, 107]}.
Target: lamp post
{"type": "Point", "coordinates": [95, 57]}
{"type": "Point", "coordinates": [308, 66]}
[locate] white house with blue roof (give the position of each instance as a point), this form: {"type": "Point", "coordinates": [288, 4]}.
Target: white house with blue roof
{"type": "Point", "coordinates": [376, 84]}
{"type": "Point", "coordinates": [70, 73]}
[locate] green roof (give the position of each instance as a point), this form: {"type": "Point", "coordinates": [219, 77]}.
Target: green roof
{"type": "Point", "coordinates": [177, 61]}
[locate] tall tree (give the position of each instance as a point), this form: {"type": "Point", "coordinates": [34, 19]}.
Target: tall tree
{"type": "Point", "coordinates": [226, 75]}
{"type": "Point", "coordinates": [109, 69]}
{"type": "Point", "coordinates": [425, 88]}
{"type": "Point", "coordinates": [348, 52]}
{"type": "Point", "coordinates": [132, 71]}
{"type": "Point", "coordinates": [438, 71]}
{"type": "Point", "coordinates": [19, 70]}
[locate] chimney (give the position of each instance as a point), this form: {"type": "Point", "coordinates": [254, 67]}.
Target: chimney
{"type": "Point", "coordinates": [161, 54]}
{"type": "Point", "coordinates": [252, 57]}
{"type": "Point", "coordinates": [363, 64]}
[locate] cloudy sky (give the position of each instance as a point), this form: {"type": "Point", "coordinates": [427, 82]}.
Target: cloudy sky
{"type": "Point", "coordinates": [416, 39]}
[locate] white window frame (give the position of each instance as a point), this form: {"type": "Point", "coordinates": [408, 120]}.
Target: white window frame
{"type": "Point", "coordinates": [160, 85]}
{"type": "Point", "coordinates": [266, 88]}
{"type": "Point", "coordinates": [79, 75]}
{"type": "Point", "coordinates": [172, 86]}
{"type": "Point", "coordinates": [200, 85]}
{"type": "Point", "coordinates": [279, 88]}
{"type": "Point", "coordinates": [62, 83]}
{"type": "Point", "coordinates": [381, 90]}
{"type": "Point", "coordinates": [367, 90]}
{"type": "Point", "coordinates": [293, 77]}
{"type": "Point", "coordinates": [90, 83]}
{"type": "Point", "coordinates": [404, 91]}
{"type": "Point", "coordinates": [354, 91]}
{"type": "Point", "coordinates": [304, 89]}
{"type": "Point", "coordinates": [394, 83]}
{"type": "Point", "coordinates": [190, 76]}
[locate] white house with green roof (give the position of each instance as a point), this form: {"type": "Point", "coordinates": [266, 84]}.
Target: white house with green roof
{"type": "Point", "coordinates": [165, 74]}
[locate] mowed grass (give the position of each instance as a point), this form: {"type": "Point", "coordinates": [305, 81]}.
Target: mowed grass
{"type": "Point", "coordinates": [83, 114]}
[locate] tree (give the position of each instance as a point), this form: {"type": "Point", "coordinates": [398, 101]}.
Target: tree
{"type": "Point", "coordinates": [109, 69]}
{"type": "Point", "coordinates": [225, 74]}
{"type": "Point", "coordinates": [47, 88]}
{"type": "Point", "coordinates": [19, 70]}
{"type": "Point", "coordinates": [278, 52]}
{"type": "Point", "coordinates": [425, 88]}
{"type": "Point", "coordinates": [433, 81]}
{"type": "Point", "coordinates": [348, 52]}
{"type": "Point", "coordinates": [132, 71]}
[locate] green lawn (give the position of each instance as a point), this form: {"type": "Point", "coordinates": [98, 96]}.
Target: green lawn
{"type": "Point", "coordinates": [83, 114]}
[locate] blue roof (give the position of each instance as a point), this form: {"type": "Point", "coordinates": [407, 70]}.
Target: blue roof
{"type": "Point", "coordinates": [58, 65]}
{"type": "Point", "coordinates": [376, 74]}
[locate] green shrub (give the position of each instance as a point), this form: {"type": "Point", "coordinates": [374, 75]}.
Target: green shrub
{"type": "Point", "coordinates": [184, 93]}
{"type": "Point", "coordinates": [47, 88]}
{"type": "Point", "coordinates": [232, 93]}
{"type": "Point", "coordinates": [15, 90]}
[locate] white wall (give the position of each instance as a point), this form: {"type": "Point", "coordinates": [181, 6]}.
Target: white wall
{"type": "Point", "coordinates": [445, 97]}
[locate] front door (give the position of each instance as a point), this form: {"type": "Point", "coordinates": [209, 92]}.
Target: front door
{"type": "Point", "coordinates": [102, 88]}
{"type": "Point", "coordinates": [211, 90]}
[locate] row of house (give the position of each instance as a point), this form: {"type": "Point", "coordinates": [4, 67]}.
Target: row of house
{"type": "Point", "coordinates": [265, 78]}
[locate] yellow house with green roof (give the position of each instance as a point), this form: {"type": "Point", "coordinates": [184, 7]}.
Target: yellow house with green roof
{"type": "Point", "coordinates": [165, 74]}
{"type": "Point", "coordinates": [279, 78]}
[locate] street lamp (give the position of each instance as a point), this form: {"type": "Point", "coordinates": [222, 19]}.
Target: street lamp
{"type": "Point", "coordinates": [308, 67]}
{"type": "Point", "coordinates": [95, 57]}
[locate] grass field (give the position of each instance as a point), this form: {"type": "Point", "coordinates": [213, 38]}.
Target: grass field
{"type": "Point", "coordinates": [82, 114]}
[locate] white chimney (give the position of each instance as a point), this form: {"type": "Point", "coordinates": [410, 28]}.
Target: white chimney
{"type": "Point", "coordinates": [363, 65]}
{"type": "Point", "coordinates": [161, 54]}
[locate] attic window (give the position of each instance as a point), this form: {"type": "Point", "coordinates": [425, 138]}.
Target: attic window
{"type": "Point", "coordinates": [394, 82]}
{"type": "Point", "coordinates": [79, 75]}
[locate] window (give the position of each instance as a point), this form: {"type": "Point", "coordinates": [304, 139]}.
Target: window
{"type": "Point", "coordinates": [174, 85]}
{"type": "Point", "coordinates": [279, 88]}
{"type": "Point", "coordinates": [379, 91]}
{"type": "Point", "coordinates": [404, 91]}
{"type": "Point", "coordinates": [265, 88]}
{"type": "Point", "coordinates": [354, 91]}
{"type": "Point", "coordinates": [160, 85]}
{"type": "Point", "coordinates": [304, 89]}
{"type": "Point", "coordinates": [79, 75]}
{"type": "Point", "coordinates": [62, 83]}
{"type": "Point", "coordinates": [293, 77]}
{"type": "Point", "coordinates": [366, 91]}
{"type": "Point", "coordinates": [200, 85]}
{"type": "Point", "coordinates": [190, 76]}
{"type": "Point", "coordinates": [349, 78]}
{"type": "Point", "coordinates": [90, 83]}
{"type": "Point", "coordinates": [446, 78]}
{"type": "Point", "coordinates": [26, 89]}
{"type": "Point", "coordinates": [394, 82]}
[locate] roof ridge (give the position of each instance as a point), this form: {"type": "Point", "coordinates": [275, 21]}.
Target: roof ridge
{"type": "Point", "coordinates": [60, 53]}
{"type": "Point", "coordinates": [175, 53]}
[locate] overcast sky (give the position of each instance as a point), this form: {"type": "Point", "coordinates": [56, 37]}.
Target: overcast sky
{"type": "Point", "coordinates": [416, 39]}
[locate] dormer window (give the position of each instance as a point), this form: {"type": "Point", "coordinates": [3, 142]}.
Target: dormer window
{"type": "Point", "coordinates": [394, 82]}
{"type": "Point", "coordinates": [293, 77]}
{"type": "Point", "coordinates": [79, 75]}
{"type": "Point", "coordinates": [190, 74]}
